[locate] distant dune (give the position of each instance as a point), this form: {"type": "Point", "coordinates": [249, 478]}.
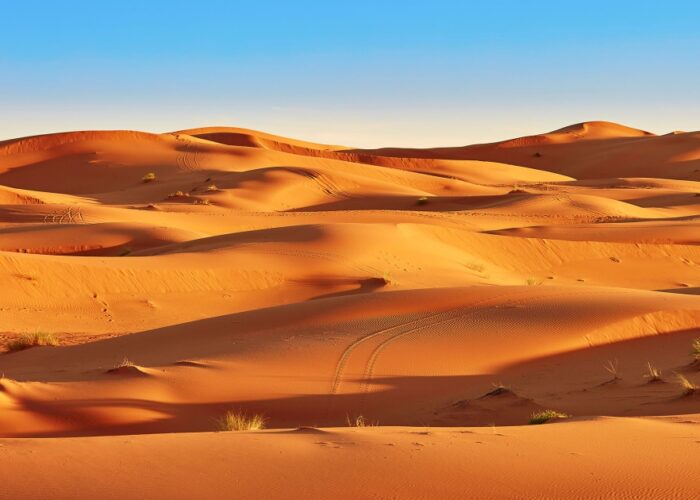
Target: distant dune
{"type": "Point", "coordinates": [395, 315]}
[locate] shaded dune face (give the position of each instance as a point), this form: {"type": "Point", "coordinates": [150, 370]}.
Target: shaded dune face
{"type": "Point", "coordinates": [186, 274]}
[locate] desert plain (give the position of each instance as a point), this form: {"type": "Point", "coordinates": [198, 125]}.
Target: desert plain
{"type": "Point", "coordinates": [397, 319]}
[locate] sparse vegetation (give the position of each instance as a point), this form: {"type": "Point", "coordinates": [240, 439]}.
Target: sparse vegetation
{"type": "Point", "coordinates": [358, 421]}
{"type": "Point", "coordinates": [542, 417]}
{"type": "Point", "coordinates": [695, 351]}
{"type": "Point", "coordinates": [239, 421]}
{"type": "Point", "coordinates": [212, 187]}
{"type": "Point", "coordinates": [689, 387]}
{"type": "Point", "coordinates": [498, 389]}
{"type": "Point", "coordinates": [423, 200]}
{"type": "Point", "coordinates": [149, 177]}
{"type": "Point", "coordinates": [653, 373]}
{"type": "Point", "coordinates": [615, 260]}
{"type": "Point", "coordinates": [125, 251]}
{"type": "Point", "coordinates": [27, 340]}
{"type": "Point", "coordinates": [534, 282]}
{"type": "Point", "coordinates": [125, 363]}
{"type": "Point", "coordinates": [611, 366]}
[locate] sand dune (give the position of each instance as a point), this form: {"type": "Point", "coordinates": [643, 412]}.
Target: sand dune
{"type": "Point", "coordinates": [470, 462]}
{"type": "Point", "coordinates": [586, 151]}
{"type": "Point", "coordinates": [153, 282]}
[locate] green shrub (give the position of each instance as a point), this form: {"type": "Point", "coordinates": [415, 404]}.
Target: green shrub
{"type": "Point", "coordinates": [542, 417]}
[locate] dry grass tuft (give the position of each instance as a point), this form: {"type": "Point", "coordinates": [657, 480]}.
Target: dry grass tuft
{"type": "Point", "coordinates": [695, 351]}
{"type": "Point", "coordinates": [240, 421]}
{"type": "Point", "coordinates": [126, 363]}
{"type": "Point", "coordinates": [359, 421]}
{"type": "Point", "coordinates": [149, 177]}
{"type": "Point", "coordinates": [27, 340]}
{"type": "Point", "coordinates": [611, 366]}
{"type": "Point", "coordinates": [542, 417]}
{"type": "Point", "coordinates": [498, 389]}
{"type": "Point", "coordinates": [689, 388]}
{"type": "Point", "coordinates": [653, 373]}
{"type": "Point", "coordinates": [423, 200]}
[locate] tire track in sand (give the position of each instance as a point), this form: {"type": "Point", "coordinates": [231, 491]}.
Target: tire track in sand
{"type": "Point", "coordinates": [372, 361]}
{"type": "Point", "coordinates": [413, 326]}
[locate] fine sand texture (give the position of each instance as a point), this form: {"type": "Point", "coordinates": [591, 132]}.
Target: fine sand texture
{"type": "Point", "coordinates": [399, 319]}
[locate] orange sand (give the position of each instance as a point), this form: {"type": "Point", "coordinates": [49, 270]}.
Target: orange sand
{"type": "Point", "coordinates": [315, 284]}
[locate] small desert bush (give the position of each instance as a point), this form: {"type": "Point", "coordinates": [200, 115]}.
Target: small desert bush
{"type": "Point", "coordinates": [359, 421]}
{"type": "Point", "coordinates": [239, 421]}
{"type": "Point", "coordinates": [612, 368]}
{"type": "Point", "coordinates": [212, 187]}
{"type": "Point", "coordinates": [688, 386]}
{"type": "Point", "coordinates": [542, 417]}
{"type": "Point", "coordinates": [125, 363]}
{"type": "Point", "coordinates": [149, 177]}
{"type": "Point", "coordinates": [422, 200]}
{"type": "Point", "coordinates": [653, 373]}
{"type": "Point", "coordinates": [28, 340]}
{"type": "Point", "coordinates": [498, 389]}
{"type": "Point", "coordinates": [695, 351]}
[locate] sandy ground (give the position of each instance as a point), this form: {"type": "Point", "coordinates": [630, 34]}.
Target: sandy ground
{"type": "Point", "coordinates": [441, 296]}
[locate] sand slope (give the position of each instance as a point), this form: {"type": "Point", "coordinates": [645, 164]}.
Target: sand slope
{"type": "Point", "coordinates": [436, 293]}
{"type": "Point", "coordinates": [441, 463]}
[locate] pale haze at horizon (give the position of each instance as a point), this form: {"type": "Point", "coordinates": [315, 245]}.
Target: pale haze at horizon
{"type": "Point", "coordinates": [368, 74]}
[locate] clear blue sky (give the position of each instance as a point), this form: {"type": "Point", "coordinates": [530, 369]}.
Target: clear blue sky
{"type": "Point", "coordinates": [358, 72]}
